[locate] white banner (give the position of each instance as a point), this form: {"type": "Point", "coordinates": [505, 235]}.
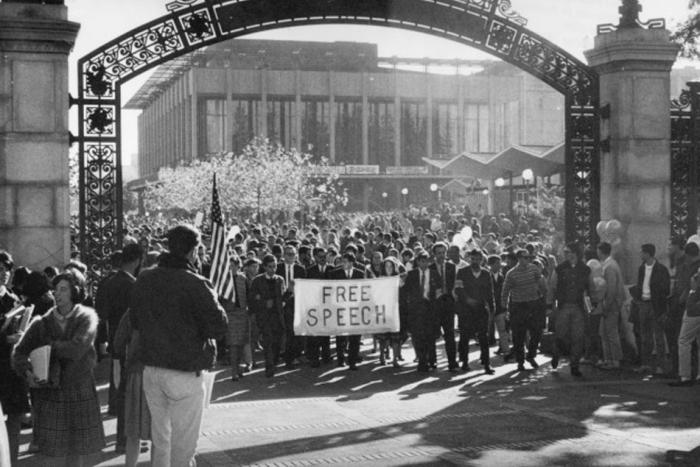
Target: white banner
{"type": "Point", "coordinates": [346, 307]}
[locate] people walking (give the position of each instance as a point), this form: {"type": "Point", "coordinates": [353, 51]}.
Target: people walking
{"type": "Point", "coordinates": [265, 300]}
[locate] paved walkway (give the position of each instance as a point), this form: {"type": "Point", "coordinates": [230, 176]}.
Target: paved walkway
{"type": "Point", "coordinates": [381, 416]}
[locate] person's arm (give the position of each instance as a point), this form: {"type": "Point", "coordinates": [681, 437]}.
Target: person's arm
{"type": "Point", "coordinates": [491, 300]}
{"type": "Point", "coordinates": [122, 337]}
{"type": "Point", "coordinates": [505, 292]}
{"type": "Point", "coordinates": [83, 338]}
{"type": "Point", "coordinates": [211, 313]}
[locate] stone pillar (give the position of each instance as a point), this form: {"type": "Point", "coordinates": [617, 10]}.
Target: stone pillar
{"type": "Point", "coordinates": [634, 66]}
{"type": "Point", "coordinates": [35, 41]}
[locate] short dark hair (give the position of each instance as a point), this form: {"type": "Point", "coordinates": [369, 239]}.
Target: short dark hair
{"type": "Point", "coordinates": [605, 248]}
{"type": "Point", "coordinates": [131, 253]}
{"type": "Point", "coordinates": [182, 239]}
{"type": "Point", "coordinates": [439, 245]}
{"type": "Point", "coordinates": [692, 249]}
{"type": "Point", "coordinates": [649, 249]}
{"type": "Point", "coordinates": [493, 259]}
{"type": "Point", "coordinates": [250, 262]}
{"type": "Point", "coordinates": [267, 259]}
{"type": "Point", "coordinates": [304, 249]}
{"type": "Point", "coordinates": [319, 251]}
{"type": "Point", "coordinates": [422, 254]}
{"type": "Point", "coordinates": [575, 248]}
{"type": "Point", "coordinates": [276, 249]}
{"type": "Point", "coordinates": [6, 260]}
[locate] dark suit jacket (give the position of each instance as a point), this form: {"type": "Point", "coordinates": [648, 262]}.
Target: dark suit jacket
{"type": "Point", "coordinates": [414, 294]}
{"type": "Point", "coordinates": [479, 289]}
{"type": "Point", "coordinates": [660, 285]}
{"type": "Point", "coordinates": [450, 274]}
{"type": "Point", "coordinates": [339, 274]}
{"type": "Point", "coordinates": [299, 271]}
{"type": "Point", "coordinates": [260, 292]}
{"type": "Point", "coordinates": [497, 288]}
{"type": "Point", "coordinates": [314, 272]}
{"type": "Point", "coordinates": [112, 300]}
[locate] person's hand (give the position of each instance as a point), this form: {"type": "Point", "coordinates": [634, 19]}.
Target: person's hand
{"type": "Point", "coordinates": [14, 338]}
{"type": "Point", "coordinates": [269, 303]}
{"type": "Point", "coordinates": [459, 284]}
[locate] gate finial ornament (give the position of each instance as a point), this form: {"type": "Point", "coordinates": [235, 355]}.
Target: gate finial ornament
{"type": "Point", "coordinates": [629, 14]}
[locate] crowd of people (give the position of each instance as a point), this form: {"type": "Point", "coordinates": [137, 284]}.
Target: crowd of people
{"type": "Point", "coordinates": [463, 277]}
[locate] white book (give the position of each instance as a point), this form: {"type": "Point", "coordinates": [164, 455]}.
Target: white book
{"type": "Point", "coordinates": [40, 359]}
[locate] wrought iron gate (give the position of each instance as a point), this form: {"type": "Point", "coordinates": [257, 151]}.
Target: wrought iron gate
{"type": "Point", "coordinates": [487, 25]}
{"type": "Point", "coordinates": [685, 136]}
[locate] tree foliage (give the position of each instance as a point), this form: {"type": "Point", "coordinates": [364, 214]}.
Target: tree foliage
{"type": "Point", "coordinates": [264, 178]}
{"type": "Point", "coordinates": [687, 33]}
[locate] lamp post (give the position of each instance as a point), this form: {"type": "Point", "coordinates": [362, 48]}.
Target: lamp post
{"type": "Point", "coordinates": [434, 189]}
{"type": "Point", "coordinates": [385, 195]}
{"type": "Point", "coordinates": [528, 176]}
{"type": "Point", "coordinates": [404, 193]}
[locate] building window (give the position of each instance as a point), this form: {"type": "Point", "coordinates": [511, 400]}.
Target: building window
{"type": "Point", "coordinates": [245, 125]}
{"type": "Point", "coordinates": [348, 132]}
{"type": "Point", "coordinates": [315, 124]}
{"type": "Point", "coordinates": [414, 132]}
{"type": "Point", "coordinates": [476, 132]}
{"type": "Point", "coordinates": [381, 133]}
{"type": "Point", "coordinates": [214, 121]}
{"type": "Point", "coordinates": [445, 130]}
{"type": "Point", "coordinates": [280, 122]}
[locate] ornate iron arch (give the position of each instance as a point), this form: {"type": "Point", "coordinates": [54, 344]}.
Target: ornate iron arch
{"type": "Point", "coordinates": [488, 25]}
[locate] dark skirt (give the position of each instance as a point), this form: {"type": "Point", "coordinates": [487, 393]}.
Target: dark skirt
{"type": "Point", "coordinates": [68, 420]}
{"type": "Point", "coordinates": [137, 417]}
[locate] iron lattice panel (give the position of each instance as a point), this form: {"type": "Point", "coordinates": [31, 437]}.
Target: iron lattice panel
{"type": "Point", "coordinates": [488, 25]}
{"type": "Point", "coordinates": [684, 163]}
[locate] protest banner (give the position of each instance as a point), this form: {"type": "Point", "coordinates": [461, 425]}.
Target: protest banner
{"type": "Point", "coordinates": [346, 307]}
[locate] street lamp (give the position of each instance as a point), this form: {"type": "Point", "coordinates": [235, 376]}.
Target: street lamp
{"type": "Point", "coordinates": [485, 192]}
{"type": "Point", "coordinates": [404, 192]}
{"type": "Point", "coordinates": [385, 195]}
{"type": "Point", "coordinates": [500, 182]}
{"type": "Point", "coordinates": [434, 189]}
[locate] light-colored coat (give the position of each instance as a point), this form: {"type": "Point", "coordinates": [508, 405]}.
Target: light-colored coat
{"type": "Point", "coordinates": [615, 293]}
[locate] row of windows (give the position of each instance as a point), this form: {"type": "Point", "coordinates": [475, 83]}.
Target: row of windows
{"type": "Point", "coordinates": [315, 120]}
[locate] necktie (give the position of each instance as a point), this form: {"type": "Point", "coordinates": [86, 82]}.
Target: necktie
{"type": "Point", "coordinates": [443, 280]}
{"type": "Point", "coordinates": [289, 276]}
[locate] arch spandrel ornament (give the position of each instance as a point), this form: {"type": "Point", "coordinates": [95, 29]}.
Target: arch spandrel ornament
{"type": "Point", "coordinates": [488, 25]}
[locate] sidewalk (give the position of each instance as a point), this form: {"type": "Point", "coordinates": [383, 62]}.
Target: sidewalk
{"type": "Point", "coordinates": [381, 416]}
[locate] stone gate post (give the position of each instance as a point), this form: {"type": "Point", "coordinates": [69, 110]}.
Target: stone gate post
{"type": "Point", "coordinates": [634, 64]}
{"type": "Point", "coordinates": [35, 41]}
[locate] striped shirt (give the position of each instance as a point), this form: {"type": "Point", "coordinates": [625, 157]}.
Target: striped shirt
{"type": "Point", "coordinates": [522, 284]}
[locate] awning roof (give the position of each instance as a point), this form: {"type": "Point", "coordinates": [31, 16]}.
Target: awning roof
{"type": "Point", "coordinates": [515, 159]}
{"type": "Point", "coordinates": [464, 165]}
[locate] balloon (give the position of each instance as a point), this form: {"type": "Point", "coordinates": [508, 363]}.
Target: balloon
{"type": "Point", "coordinates": [235, 230]}
{"type": "Point", "coordinates": [601, 228]}
{"type": "Point", "coordinates": [467, 234]}
{"type": "Point", "coordinates": [459, 241]}
{"type": "Point", "coordinates": [613, 228]}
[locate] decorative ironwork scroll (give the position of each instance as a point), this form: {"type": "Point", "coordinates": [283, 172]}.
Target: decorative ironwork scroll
{"type": "Point", "coordinates": [685, 161]}
{"type": "Point", "coordinates": [488, 25]}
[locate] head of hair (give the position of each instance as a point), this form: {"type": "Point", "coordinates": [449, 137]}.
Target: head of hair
{"type": "Point", "coordinates": [319, 251]}
{"type": "Point", "coordinates": [649, 249]}
{"type": "Point", "coordinates": [276, 249]}
{"type": "Point", "coordinates": [250, 262]}
{"type": "Point", "coordinates": [76, 282]}
{"type": "Point", "coordinates": [131, 253]}
{"type": "Point", "coordinates": [50, 272]}
{"type": "Point", "coordinates": [575, 248]}
{"type": "Point", "coordinates": [349, 256]}
{"type": "Point", "coordinates": [422, 254]}
{"type": "Point", "coordinates": [115, 259]}
{"type": "Point", "coordinates": [77, 265]}
{"type": "Point", "coordinates": [36, 285]}
{"type": "Point", "coordinates": [182, 239]}
{"type": "Point", "coordinates": [267, 259]}
{"type": "Point", "coordinates": [351, 249]}
{"type": "Point", "coordinates": [493, 259]}
{"type": "Point", "coordinates": [692, 249]}
{"type": "Point", "coordinates": [6, 260]}
{"type": "Point", "coordinates": [304, 250]}
{"type": "Point", "coordinates": [605, 248]}
{"type": "Point", "coordinates": [439, 245]}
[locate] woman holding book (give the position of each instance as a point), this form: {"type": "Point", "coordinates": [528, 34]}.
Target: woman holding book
{"type": "Point", "coordinates": [68, 422]}
{"type": "Point", "coordinates": [13, 389]}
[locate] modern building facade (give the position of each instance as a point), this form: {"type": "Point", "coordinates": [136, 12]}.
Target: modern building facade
{"type": "Point", "coordinates": [377, 120]}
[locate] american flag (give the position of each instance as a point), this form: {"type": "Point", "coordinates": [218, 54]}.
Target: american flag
{"type": "Point", "coordinates": [220, 274]}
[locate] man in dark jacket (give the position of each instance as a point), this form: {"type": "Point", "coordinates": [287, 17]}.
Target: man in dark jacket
{"type": "Point", "coordinates": [571, 284]}
{"type": "Point", "coordinates": [178, 316]}
{"type": "Point", "coordinates": [318, 346]}
{"type": "Point", "coordinates": [444, 273]}
{"type": "Point", "coordinates": [475, 305]}
{"type": "Point", "coordinates": [290, 270]}
{"type": "Point", "coordinates": [652, 295]}
{"type": "Point", "coordinates": [265, 301]}
{"type": "Point", "coordinates": [348, 271]}
{"type": "Point", "coordinates": [111, 302]}
{"type": "Point", "coordinates": [421, 321]}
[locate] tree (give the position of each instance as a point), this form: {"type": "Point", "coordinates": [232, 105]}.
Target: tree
{"type": "Point", "coordinates": [264, 178]}
{"type": "Point", "coordinates": [687, 33]}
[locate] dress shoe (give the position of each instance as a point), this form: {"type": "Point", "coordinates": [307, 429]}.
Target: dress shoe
{"type": "Point", "coordinates": [234, 378]}
{"type": "Point", "coordinates": [555, 361]}
{"type": "Point", "coordinates": [397, 365]}
{"type": "Point", "coordinates": [533, 363]}
{"type": "Point", "coordinates": [453, 368]}
{"type": "Point", "coordinates": [341, 363]}
{"type": "Point", "coordinates": [352, 367]}
{"type": "Point", "coordinates": [682, 383]}
{"type": "Point", "coordinates": [465, 366]}
{"type": "Point", "coordinates": [576, 372]}
{"type": "Point", "coordinates": [270, 372]}
{"type": "Point", "coordinates": [521, 367]}
{"type": "Point", "coordinates": [488, 370]}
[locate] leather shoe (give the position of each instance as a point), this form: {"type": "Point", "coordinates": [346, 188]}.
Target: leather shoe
{"type": "Point", "coordinates": [521, 367]}
{"type": "Point", "coordinates": [488, 370]}
{"type": "Point", "coordinates": [465, 366]}
{"type": "Point", "coordinates": [682, 383]}
{"type": "Point", "coordinates": [353, 367]}
{"type": "Point", "coordinates": [555, 361]}
{"type": "Point", "coordinates": [533, 363]}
